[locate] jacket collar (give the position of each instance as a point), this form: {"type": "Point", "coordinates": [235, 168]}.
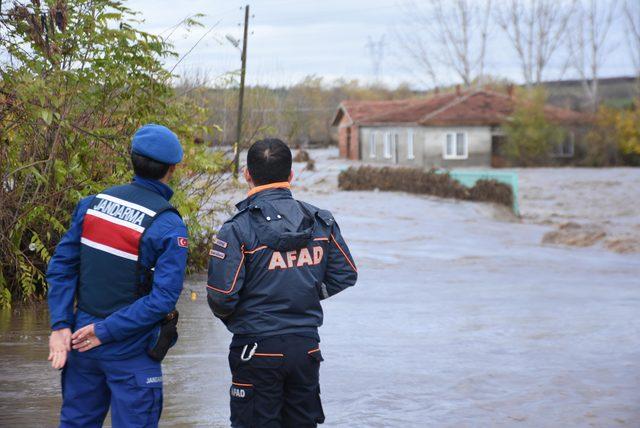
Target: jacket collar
{"type": "Point", "coordinates": [155, 186]}
{"type": "Point", "coordinates": [269, 192]}
{"type": "Point", "coordinates": [278, 185]}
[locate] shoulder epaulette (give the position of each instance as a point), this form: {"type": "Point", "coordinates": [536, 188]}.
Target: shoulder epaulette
{"type": "Point", "coordinates": [236, 215]}
{"type": "Point", "coordinates": [324, 215]}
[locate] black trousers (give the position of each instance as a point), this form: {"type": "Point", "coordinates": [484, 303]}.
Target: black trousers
{"type": "Point", "coordinates": [279, 386]}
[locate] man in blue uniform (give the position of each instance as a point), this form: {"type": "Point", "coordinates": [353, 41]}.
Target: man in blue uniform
{"type": "Point", "coordinates": [271, 265]}
{"type": "Point", "coordinates": [114, 279]}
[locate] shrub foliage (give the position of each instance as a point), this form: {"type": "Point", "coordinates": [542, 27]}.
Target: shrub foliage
{"type": "Point", "coordinates": [531, 138]}
{"type": "Point", "coordinates": [615, 139]}
{"type": "Point", "coordinates": [76, 79]}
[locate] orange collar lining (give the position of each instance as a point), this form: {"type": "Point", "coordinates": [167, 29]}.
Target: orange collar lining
{"type": "Point", "coordinates": [278, 185]}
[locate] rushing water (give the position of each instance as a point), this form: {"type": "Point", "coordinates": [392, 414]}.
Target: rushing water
{"type": "Point", "coordinates": [195, 372]}
{"type": "Point", "coordinates": [457, 320]}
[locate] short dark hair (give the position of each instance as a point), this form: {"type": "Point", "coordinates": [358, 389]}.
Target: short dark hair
{"type": "Point", "coordinates": [148, 168]}
{"type": "Point", "coordinates": [269, 161]}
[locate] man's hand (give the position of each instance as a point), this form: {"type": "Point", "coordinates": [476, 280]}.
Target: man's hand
{"type": "Point", "coordinates": [59, 345]}
{"type": "Point", "coordinates": [85, 338]}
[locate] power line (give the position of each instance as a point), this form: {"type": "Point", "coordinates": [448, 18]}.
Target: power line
{"type": "Point", "coordinates": [332, 14]}
{"type": "Point", "coordinates": [376, 54]}
{"type": "Point", "coordinates": [174, 27]}
{"type": "Point", "coordinates": [194, 46]}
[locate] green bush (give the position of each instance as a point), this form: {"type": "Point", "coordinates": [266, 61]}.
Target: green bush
{"type": "Point", "coordinates": [615, 137]}
{"type": "Point", "coordinates": [77, 80]}
{"type": "Point", "coordinates": [531, 138]}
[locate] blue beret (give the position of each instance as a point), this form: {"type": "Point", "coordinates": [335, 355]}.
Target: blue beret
{"type": "Point", "coordinates": [158, 143]}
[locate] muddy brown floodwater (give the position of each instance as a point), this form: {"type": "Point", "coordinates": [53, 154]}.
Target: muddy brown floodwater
{"type": "Point", "coordinates": [459, 319]}
{"type": "Point", "coordinates": [195, 372]}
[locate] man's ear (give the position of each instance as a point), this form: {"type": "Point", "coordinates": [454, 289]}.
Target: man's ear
{"type": "Point", "coordinates": [290, 177]}
{"type": "Point", "coordinates": [247, 176]}
{"type": "Point", "coordinates": [169, 174]}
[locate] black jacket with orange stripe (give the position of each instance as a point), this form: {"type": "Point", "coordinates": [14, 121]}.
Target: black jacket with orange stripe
{"type": "Point", "coordinates": [273, 262]}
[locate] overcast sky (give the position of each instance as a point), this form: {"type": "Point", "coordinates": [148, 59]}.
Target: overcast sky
{"type": "Point", "coordinates": [290, 39]}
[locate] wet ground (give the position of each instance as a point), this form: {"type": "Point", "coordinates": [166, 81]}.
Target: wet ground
{"type": "Point", "coordinates": [459, 319]}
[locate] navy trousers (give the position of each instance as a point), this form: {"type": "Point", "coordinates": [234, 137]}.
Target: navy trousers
{"type": "Point", "coordinates": [279, 386]}
{"type": "Point", "coordinates": [131, 387]}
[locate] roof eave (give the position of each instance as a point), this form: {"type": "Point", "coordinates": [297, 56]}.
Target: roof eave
{"type": "Point", "coordinates": [372, 124]}
{"type": "Point", "coordinates": [341, 109]}
{"type": "Point", "coordinates": [462, 123]}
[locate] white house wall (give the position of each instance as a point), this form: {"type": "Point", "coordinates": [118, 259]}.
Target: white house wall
{"type": "Point", "coordinates": [428, 143]}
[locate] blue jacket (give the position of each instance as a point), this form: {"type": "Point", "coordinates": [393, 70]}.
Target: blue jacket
{"type": "Point", "coordinates": [273, 262]}
{"type": "Point", "coordinates": [134, 328]}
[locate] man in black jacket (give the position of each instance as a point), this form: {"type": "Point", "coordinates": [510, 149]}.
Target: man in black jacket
{"type": "Point", "coordinates": [271, 265]}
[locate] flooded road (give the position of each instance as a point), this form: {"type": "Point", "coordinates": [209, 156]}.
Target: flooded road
{"type": "Point", "coordinates": [195, 372]}
{"type": "Point", "coordinates": [458, 320]}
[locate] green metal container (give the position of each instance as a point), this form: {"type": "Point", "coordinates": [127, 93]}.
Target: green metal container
{"type": "Point", "coordinates": [468, 178]}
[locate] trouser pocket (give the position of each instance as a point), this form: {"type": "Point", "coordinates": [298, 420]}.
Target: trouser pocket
{"type": "Point", "coordinates": [256, 392]}
{"type": "Point", "coordinates": [316, 406]}
{"type": "Point", "coordinates": [146, 404]}
{"type": "Point", "coordinates": [319, 409]}
{"type": "Point", "coordinates": [242, 405]}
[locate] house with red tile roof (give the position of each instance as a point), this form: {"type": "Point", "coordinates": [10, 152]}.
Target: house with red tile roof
{"type": "Point", "coordinates": [460, 129]}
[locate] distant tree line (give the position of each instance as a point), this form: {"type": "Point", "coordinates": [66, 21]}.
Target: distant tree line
{"type": "Point", "coordinates": [455, 36]}
{"type": "Point", "coordinates": [300, 114]}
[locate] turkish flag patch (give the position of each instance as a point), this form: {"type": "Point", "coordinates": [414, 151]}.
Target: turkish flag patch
{"type": "Point", "coordinates": [183, 242]}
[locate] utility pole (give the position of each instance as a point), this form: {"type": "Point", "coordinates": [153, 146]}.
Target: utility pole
{"type": "Point", "coordinates": [236, 160]}
{"type": "Point", "coordinates": [376, 54]}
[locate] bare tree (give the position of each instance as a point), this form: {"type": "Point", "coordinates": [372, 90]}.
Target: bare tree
{"type": "Point", "coordinates": [632, 23]}
{"type": "Point", "coordinates": [588, 47]}
{"type": "Point", "coordinates": [450, 34]}
{"type": "Point", "coordinates": [536, 29]}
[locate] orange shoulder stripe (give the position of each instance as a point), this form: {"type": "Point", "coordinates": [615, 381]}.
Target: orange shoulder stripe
{"type": "Point", "coordinates": [262, 247]}
{"type": "Point", "coordinates": [333, 239]}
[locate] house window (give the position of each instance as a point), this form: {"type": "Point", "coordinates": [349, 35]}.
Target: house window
{"type": "Point", "coordinates": [455, 146]}
{"type": "Point", "coordinates": [372, 145]}
{"type": "Point", "coordinates": [394, 146]}
{"type": "Point", "coordinates": [565, 148]}
{"type": "Point", "coordinates": [410, 154]}
{"type": "Point", "coordinates": [387, 145]}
